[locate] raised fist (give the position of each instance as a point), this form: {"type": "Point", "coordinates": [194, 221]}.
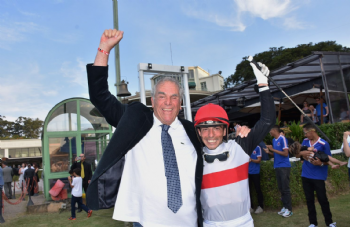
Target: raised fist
{"type": "Point", "coordinates": [110, 38]}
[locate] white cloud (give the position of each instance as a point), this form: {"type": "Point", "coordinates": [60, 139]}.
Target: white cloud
{"type": "Point", "coordinates": [76, 72]}
{"type": "Point", "coordinates": [265, 9]}
{"type": "Point", "coordinates": [240, 11]}
{"type": "Point", "coordinates": [293, 23]}
{"type": "Point", "coordinates": [50, 93]}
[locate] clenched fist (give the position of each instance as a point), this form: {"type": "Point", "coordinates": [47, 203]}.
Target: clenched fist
{"type": "Point", "coordinates": [110, 38]}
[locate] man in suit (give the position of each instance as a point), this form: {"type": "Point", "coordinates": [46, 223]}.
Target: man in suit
{"type": "Point", "coordinates": [29, 178]}
{"type": "Point", "coordinates": [85, 167]}
{"type": "Point", "coordinates": [8, 174]}
{"type": "Point", "coordinates": [157, 153]}
{"type": "Point", "coordinates": [86, 172]}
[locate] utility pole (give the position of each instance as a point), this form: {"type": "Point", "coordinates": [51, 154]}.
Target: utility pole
{"type": "Point", "coordinates": [116, 48]}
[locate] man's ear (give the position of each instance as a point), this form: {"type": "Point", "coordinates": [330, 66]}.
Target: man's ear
{"type": "Point", "coordinates": [225, 131]}
{"type": "Point", "coordinates": [199, 132]}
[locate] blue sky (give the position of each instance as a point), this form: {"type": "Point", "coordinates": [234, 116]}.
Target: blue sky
{"type": "Point", "coordinates": [45, 44]}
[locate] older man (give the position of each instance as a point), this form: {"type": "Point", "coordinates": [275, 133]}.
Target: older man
{"type": "Point", "coordinates": [152, 168]}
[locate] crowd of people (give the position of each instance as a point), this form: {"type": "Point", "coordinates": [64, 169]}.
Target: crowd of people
{"type": "Point", "coordinates": [28, 178]}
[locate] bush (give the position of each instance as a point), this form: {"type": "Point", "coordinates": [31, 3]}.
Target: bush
{"type": "Point", "coordinates": [333, 131]}
{"type": "Point", "coordinates": [336, 183]}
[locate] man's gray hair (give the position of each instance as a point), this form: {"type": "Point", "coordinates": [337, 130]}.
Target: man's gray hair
{"type": "Point", "coordinates": [163, 79]}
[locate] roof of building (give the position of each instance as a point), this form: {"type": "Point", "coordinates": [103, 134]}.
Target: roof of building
{"type": "Point", "coordinates": [293, 78]}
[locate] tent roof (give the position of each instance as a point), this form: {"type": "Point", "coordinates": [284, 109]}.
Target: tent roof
{"type": "Point", "coordinates": [289, 77]}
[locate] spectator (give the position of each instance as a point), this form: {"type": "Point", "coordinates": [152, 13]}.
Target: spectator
{"type": "Point", "coordinates": [36, 177]}
{"type": "Point", "coordinates": [77, 192]}
{"type": "Point", "coordinates": [313, 110]}
{"type": "Point", "coordinates": [289, 140]}
{"type": "Point", "coordinates": [29, 175]}
{"type": "Point", "coordinates": [86, 172]}
{"type": "Point", "coordinates": [318, 111]}
{"type": "Point", "coordinates": [1, 185]}
{"type": "Point", "coordinates": [20, 172]}
{"type": "Point", "coordinates": [282, 168]}
{"type": "Point", "coordinates": [254, 179]}
{"type": "Point", "coordinates": [314, 173]}
{"type": "Point", "coordinates": [307, 111]}
{"type": "Point", "coordinates": [264, 155]}
{"type": "Point", "coordinates": [346, 147]}
{"type": "Point", "coordinates": [344, 114]}
{"type": "Point", "coordinates": [8, 174]}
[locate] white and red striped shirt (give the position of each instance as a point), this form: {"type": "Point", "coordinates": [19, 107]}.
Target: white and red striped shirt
{"type": "Point", "coordinates": [225, 188]}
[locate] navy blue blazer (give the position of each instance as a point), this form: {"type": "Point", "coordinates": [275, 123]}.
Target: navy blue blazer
{"type": "Point", "coordinates": [132, 122]}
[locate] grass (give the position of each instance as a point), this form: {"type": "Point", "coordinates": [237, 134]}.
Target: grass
{"type": "Point", "coordinates": [340, 207]}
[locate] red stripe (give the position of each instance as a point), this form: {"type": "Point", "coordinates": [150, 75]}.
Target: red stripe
{"type": "Point", "coordinates": [225, 177]}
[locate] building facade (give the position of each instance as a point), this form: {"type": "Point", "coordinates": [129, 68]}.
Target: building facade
{"type": "Point", "coordinates": [21, 150]}
{"type": "Point", "coordinates": [201, 84]}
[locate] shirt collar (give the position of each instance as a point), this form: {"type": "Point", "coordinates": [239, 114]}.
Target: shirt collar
{"type": "Point", "coordinates": [174, 125]}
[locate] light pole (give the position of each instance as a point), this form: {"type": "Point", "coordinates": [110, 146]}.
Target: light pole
{"type": "Point", "coordinates": [116, 48]}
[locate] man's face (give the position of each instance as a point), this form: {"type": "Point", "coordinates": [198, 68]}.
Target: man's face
{"type": "Point", "coordinates": [212, 136]}
{"type": "Point", "coordinates": [274, 132]}
{"type": "Point", "coordinates": [166, 102]}
{"type": "Point", "coordinates": [309, 133]}
{"type": "Point", "coordinates": [318, 101]}
{"type": "Point", "coordinates": [82, 157]}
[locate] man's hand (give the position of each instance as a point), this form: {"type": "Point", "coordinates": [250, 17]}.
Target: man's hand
{"type": "Point", "coordinates": [109, 39]}
{"type": "Point", "coordinates": [307, 154]}
{"type": "Point", "coordinates": [346, 134]}
{"type": "Point", "coordinates": [267, 150]}
{"type": "Point", "coordinates": [89, 181]}
{"type": "Point", "coordinates": [242, 131]}
{"type": "Point", "coordinates": [261, 75]}
{"type": "Point", "coordinates": [315, 162]}
{"type": "Point", "coordinates": [269, 147]}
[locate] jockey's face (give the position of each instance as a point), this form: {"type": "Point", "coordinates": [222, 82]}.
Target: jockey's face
{"type": "Point", "coordinates": [212, 136]}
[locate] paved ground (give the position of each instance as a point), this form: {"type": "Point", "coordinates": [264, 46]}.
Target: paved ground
{"type": "Point", "coordinates": [12, 211]}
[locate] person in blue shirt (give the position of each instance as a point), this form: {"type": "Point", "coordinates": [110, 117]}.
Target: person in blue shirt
{"type": "Point", "coordinates": [314, 173]}
{"type": "Point", "coordinates": [325, 111]}
{"type": "Point", "coordinates": [279, 149]}
{"type": "Point", "coordinates": [254, 179]}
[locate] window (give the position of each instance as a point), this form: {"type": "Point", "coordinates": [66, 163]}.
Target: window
{"type": "Point", "coordinates": [62, 153]}
{"type": "Point", "coordinates": [204, 86]}
{"type": "Point", "coordinates": [91, 118]}
{"type": "Point", "coordinates": [64, 118]}
{"type": "Point", "coordinates": [2, 153]}
{"type": "Point", "coordinates": [190, 75]}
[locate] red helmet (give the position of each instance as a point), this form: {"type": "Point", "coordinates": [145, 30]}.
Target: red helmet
{"type": "Point", "coordinates": [211, 114]}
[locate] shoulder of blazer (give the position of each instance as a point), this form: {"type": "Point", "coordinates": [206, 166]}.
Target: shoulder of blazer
{"type": "Point", "coordinates": [191, 132]}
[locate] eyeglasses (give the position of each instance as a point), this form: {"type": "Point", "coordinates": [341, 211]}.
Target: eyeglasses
{"type": "Point", "coordinates": [210, 158]}
{"type": "Point", "coordinates": [311, 130]}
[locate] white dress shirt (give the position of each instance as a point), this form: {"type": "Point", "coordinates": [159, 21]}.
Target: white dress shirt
{"type": "Point", "coordinates": [142, 195]}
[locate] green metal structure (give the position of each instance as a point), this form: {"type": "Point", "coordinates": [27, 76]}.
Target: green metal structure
{"type": "Point", "coordinates": [72, 127]}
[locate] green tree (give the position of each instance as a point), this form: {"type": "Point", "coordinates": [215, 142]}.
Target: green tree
{"type": "Point", "coordinates": [278, 57]}
{"type": "Point", "coordinates": [22, 128]}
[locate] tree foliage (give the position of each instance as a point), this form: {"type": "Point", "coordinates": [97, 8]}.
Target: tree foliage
{"type": "Point", "coordinates": [278, 57]}
{"type": "Point", "coordinates": [22, 128]}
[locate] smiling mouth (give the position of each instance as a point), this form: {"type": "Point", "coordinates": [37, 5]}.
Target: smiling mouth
{"type": "Point", "coordinates": [211, 141]}
{"type": "Point", "coordinates": [167, 109]}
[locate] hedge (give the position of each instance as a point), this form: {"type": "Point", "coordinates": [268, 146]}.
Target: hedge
{"type": "Point", "coordinates": [333, 131]}
{"type": "Point", "coordinates": [336, 183]}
